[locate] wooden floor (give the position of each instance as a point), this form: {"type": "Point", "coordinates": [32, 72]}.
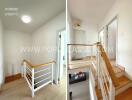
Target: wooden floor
{"type": "Point", "coordinates": [19, 90]}
{"type": "Point", "coordinates": [127, 95]}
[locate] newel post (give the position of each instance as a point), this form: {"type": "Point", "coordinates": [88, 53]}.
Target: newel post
{"type": "Point", "coordinates": [24, 70]}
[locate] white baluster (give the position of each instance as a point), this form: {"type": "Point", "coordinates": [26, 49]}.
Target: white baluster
{"type": "Point", "coordinates": [32, 82]}
{"type": "Point", "coordinates": [98, 66]}
{"type": "Point", "coordinates": [24, 70]}
{"type": "Point", "coordinates": [112, 91]}
{"type": "Point", "coordinates": [52, 68]}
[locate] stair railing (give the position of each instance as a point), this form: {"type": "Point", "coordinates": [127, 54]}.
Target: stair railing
{"type": "Point", "coordinates": [107, 80]}
{"type": "Point", "coordinates": [92, 85]}
{"type": "Point", "coordinates": [106, 76]}
{"type": "Point", "coordinates": [38, 76]}
{"type": "Point", "coordinates": [89, 50]}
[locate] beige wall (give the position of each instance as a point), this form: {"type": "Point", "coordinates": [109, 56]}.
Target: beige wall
{"type": "Point", "coordinates": [123, 9]}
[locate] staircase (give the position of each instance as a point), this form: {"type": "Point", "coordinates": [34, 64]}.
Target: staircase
{"type": "Point", "coordinates": [124, 83]}
{"type": "Point", "coordinates": [105, 90]}
{"type": "Point", "coordinates": [106, 79]}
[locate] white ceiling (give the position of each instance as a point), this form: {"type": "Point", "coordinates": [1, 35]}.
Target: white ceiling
{"type": "Point", "coordinates": [41, 11]}
{"type": "Point", "coordinates": [89, 11]}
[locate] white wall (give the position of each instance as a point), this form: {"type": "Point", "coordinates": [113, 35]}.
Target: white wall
{"type": "Point", "coordinates": [123, 9]}
{"type": "Point", "coordinates": [91, 32]}
{"type": "Point", "coordinates": [70, 29]}
{"type": "Point", "coordinates": [112, 32]}
{"type": "Point", "coordinates": [85, 34]}
{"type": "Point", "coordinates": [46, 38]}
{"type": "Point", "coordinates": [14, 43]}
{"type": "Point", "coordinates": [79, 36]}
{"type": "Point", "coordinates": [70, 32]}
{"type": "Point", "coordinates": [1, 55]}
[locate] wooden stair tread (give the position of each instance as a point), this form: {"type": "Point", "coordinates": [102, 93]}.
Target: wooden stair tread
{"type": "Point", "coordinates": [121, 67]}
{"type": "Point", "coordinates": [118, 69]}
{"type": "Point", "coordinates": [123, 80]}
{"type": "Point", "coordinates": [126, 94]}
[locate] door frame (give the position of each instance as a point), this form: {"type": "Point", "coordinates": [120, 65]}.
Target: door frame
{"type": "Point", "coordinates": [58, 55]}
{"type": "Point", "coordinates": [113, 19]}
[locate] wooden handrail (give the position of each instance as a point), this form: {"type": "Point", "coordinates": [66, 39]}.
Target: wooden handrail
{"type": "Point", "coordinates": [27, 63]}
{"type": "Point", "coordinates": [45, 64]}
{"type": "Point", "coordinates": [82, 44]}
{"type": "Point", "coordinates": [108, 65]}
{"type": "Point", "coordinates": [40, 65]}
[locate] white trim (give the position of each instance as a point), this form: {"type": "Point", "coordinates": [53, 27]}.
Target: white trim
{"type": "Point", "coordinates": [58, 54]}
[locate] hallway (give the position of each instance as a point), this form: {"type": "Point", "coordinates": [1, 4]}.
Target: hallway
{"type": "Point", "coordinates": [19, 90]}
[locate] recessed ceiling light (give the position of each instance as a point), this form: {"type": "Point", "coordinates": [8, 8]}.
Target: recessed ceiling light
{"type": "Point", "coordinates": [26, 19]}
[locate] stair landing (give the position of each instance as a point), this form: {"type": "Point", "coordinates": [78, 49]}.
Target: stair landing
{"type": "Point", "coordinates": [123, 80]}
{"type": "Point", "coordinates": [124, 84]}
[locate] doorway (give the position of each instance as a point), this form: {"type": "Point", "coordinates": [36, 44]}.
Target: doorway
{"type": "Point", "coordinates": [102, 38]}
{"type": "Point", "coordinates": [112, 32]}
{"type": "Point", "coordinates": [62, 54]}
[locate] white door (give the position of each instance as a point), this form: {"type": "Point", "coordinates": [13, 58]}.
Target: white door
{"type": "Point", "coordinates": [62, 45]}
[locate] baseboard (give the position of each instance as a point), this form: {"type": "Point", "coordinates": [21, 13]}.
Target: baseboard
{"type": "Point", "coordinates": [13, 78]}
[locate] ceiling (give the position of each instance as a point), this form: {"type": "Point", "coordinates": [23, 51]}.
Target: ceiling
{"type": "Point", "coordinates": [41, 12]}
{"type": "Point", "coordinates": [89, 11]}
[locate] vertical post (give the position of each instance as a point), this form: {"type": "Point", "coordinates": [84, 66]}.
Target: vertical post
{"type": "Point", "coordinates": [112, 91]}
{"type": "Point", "coordinates": [24, 70]}
{"type": "Point", "coordinates": [32, 82]}
{"type": "Point", "coordinates": [91, 52]}
{"type": "Point", "coordinates": [52, 69]}
{"type": "Point", "coordinates": [98, 66]}
{"type": "Point", "coordinates": [67, 75]}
